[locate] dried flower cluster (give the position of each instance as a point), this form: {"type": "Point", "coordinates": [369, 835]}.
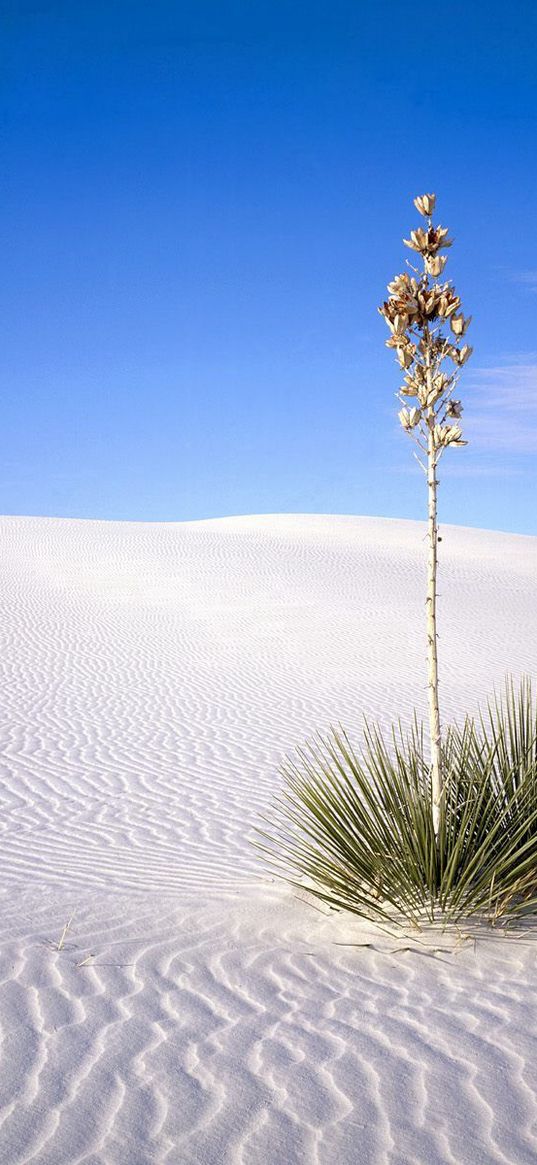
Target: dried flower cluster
{"type": "Point", "coordinates": [416, 312]}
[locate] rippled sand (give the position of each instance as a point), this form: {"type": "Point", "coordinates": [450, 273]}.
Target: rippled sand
{"type": "Point", "coordinates": [195, 1012]}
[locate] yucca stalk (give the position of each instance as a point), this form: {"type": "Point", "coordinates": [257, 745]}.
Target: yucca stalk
{"type": "Point", "coordinates": [416, 311]}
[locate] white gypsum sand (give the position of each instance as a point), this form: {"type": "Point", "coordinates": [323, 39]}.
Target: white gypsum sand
{"type": "Point", "coordinates": [162, 1001]}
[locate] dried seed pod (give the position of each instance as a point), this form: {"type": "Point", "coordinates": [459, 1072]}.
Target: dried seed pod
{"type": "Point", "coordinates": [459, 325]}
{"type": "Point", "coordinates": [434, 264]}
{"type": "Point", "coordinates": [405, 357]}
{"type": "Point", "coordinates": [448, 303]}
{"type": "Point", "coordinates": [425, 203]}
{"type": "Point", "coordinates": [409, 418]}
{"type": "Point", "coordinates": [454, 409]}
{"type": "Point", "coordinates": [445, 435]}
{"type": "Point", "coordinates": [461, 355]}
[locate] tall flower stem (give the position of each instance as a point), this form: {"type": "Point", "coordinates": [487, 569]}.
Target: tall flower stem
{"type": "Point", "coordinates": [415, 312]}
{"type": "Point", "coordinates": [432, 636]}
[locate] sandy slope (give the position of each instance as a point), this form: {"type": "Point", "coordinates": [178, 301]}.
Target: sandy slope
{"type": "Point", "coordinates": [152, 675]}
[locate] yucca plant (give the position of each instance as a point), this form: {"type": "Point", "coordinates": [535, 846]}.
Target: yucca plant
{"type": "Point", "coordinates": [359, 832]}
{"type": "Point", "coordinates": [419, 828]}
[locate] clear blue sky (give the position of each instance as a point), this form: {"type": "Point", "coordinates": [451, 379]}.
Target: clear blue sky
{"type": "Point", "coordinates": [203, 203]}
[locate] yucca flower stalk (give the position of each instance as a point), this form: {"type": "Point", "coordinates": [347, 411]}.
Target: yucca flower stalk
{"type": "Point", "coordinates": [418, 312]}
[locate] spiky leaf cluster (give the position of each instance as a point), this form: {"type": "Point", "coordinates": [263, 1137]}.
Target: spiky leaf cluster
{"type": "Point", "coordinates": [427, 331]}
{"type": "Point", "coordinates": [356, 828]}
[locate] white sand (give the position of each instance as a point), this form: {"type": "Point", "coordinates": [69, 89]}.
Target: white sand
{"type": "Point", "coordinates": [153, 675]}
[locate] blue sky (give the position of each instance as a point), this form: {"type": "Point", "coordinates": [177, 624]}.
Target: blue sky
{"type": "Point", "coordinates": [202, 206]}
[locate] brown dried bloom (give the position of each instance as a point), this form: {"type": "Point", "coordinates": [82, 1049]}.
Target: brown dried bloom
{"type": "Point", "coordinates": [428, 299]}
{"type": "Point", "coordinates": [460, 325]}
{"type": "Point", "coordinates": [454, 409]}
{"type": "Point", "coordinates": [461, 355]}
{"type": "Point", "coordinates": [434, 264]}
{"type": "Point", "coordinates": [448, 302]}
{"type": "Point", "coordinates": [417, 241]}
{"type": "Point", "coordinates": [445, 435]}
{"type": "Point", "coordinates": [404, 341]}
{"type": "Point", "coordinates": [433, 389]}
{"type": "Point", "coordinates": [428, 242]}
{"type": "Point", "coordinates": [425, 203]}
{"type": "Point", "coordinates": [405, 357]}
{"type": "Point", "coordinates": [403, 285]}
{"type": "Point", "coordinates": [411, 386]}
{"type": "Point", "coordinates": [409, 418]}
{"type": "Point", "coordinates": [404, 303]}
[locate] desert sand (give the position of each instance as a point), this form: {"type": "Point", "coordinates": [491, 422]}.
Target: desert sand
{"type": "Point", "coordinates": [162, 998]}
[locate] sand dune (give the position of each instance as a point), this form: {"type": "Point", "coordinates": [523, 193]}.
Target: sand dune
{"type": "Point", "coordinates": [197, 1013]}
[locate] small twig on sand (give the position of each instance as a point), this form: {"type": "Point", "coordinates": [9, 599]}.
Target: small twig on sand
{"type": "Point", "coordinates": [61, 941]}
